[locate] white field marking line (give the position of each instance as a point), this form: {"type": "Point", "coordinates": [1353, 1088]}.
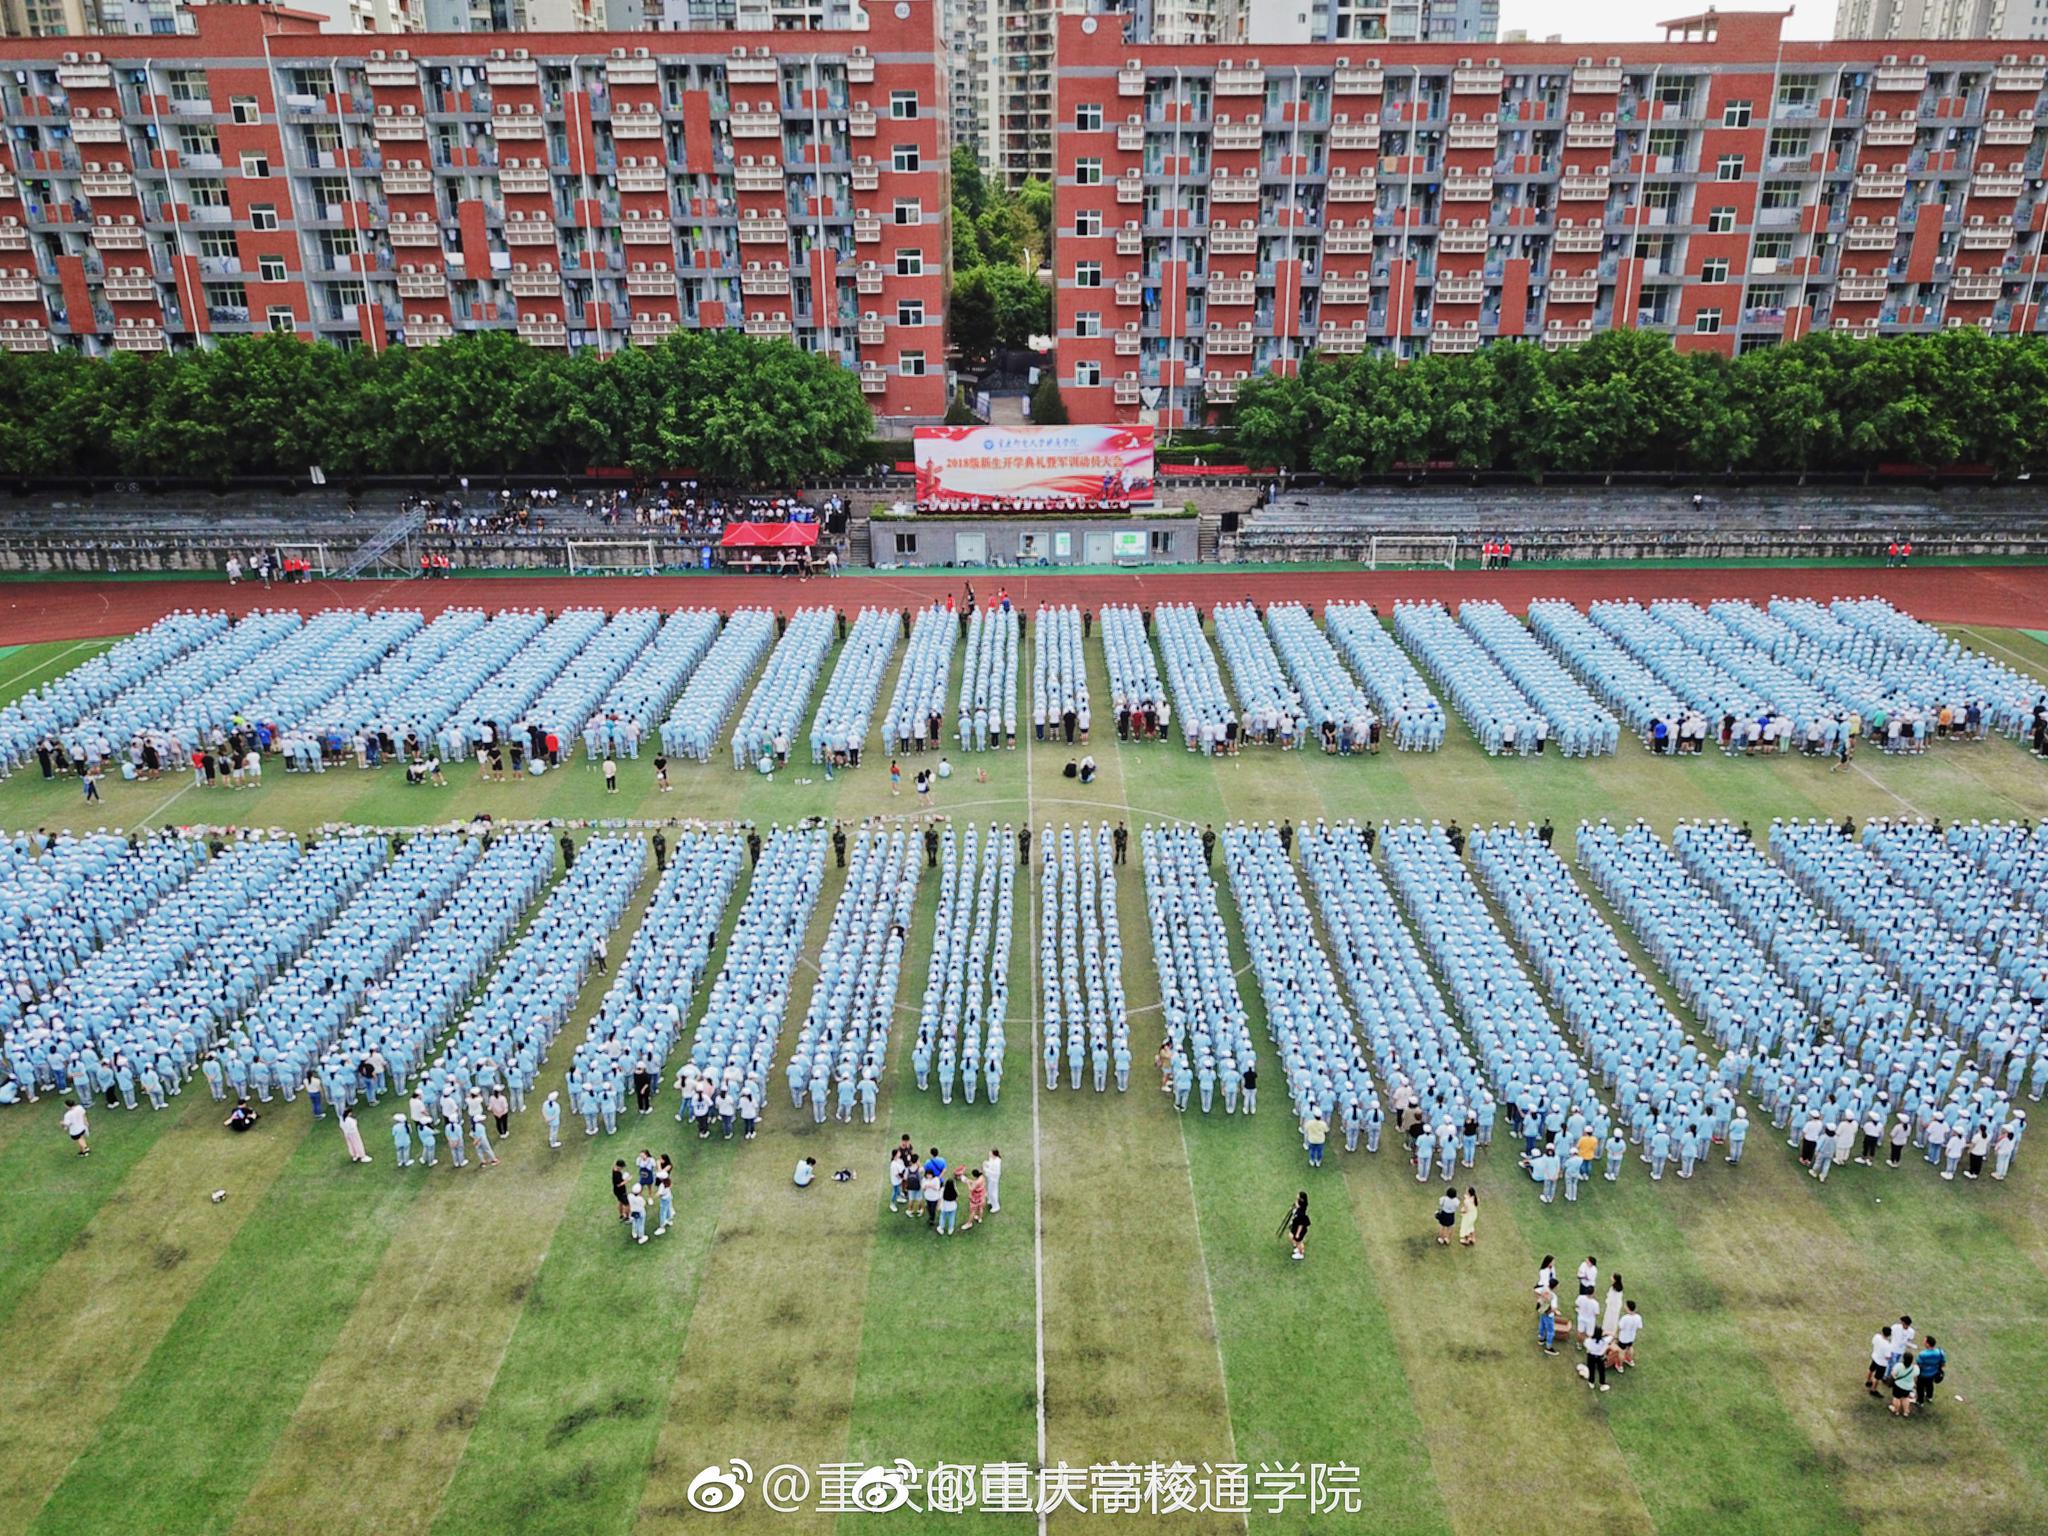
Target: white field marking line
{"type": "Point", "coordinates": [1988, 643]}
{"type": "Point", "coordinates": [152, 815]}
{"type": "Point", "coordinates": [1873, 778]}
{"type": "Point", "coordinates": [47, 661]}
{"type": "Point", "coordinates": [1037, 1145]}
{"type": "Point", "coordinates": [1209, 1295]}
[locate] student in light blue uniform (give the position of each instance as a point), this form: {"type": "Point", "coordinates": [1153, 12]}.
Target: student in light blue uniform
{"type": "Point", "coordinates": [427, 1140]}
{"type": "Point", "coordinates": [401, 1141]}
{"type": "Point", "coordinates": [1738, 1133]}
{"type": "Point", "coordinates": [551, 1115]}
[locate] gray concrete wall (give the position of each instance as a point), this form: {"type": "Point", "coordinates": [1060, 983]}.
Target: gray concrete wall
{"type": "Point", "coordinates": [1029, 541]}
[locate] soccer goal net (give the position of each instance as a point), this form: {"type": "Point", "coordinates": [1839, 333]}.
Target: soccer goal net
{"type": "Point", "coordinates": [1413, 551]}
{"type": "Point", "coordinates": [613, 557]}
{"type": "Point", "coordinates": [314, 556]}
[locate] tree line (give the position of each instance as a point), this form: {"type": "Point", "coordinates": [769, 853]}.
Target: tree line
{"type": "Point", "coordinates": [1000, 239]}
{"type": "Point", "coordinates": [1628, 400]}
{"type": "Point", "coordinates": [731, 407]}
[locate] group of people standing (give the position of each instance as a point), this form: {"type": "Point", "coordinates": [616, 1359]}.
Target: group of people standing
{"type": "Point", "coordinates": [934, 1189]}
{"type": "Point", "coordinates": [1904, 1369]}
{"type": "Point", "coordinates": [1606, 1332]}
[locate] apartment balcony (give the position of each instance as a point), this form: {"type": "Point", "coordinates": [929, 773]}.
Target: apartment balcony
{"type": "Point", "coordinates": [1233, 240]}
{"type": "Point", "coordinates": [1858, 288]}
{"type": "Point", "coordinates": [1484, 136]}
{"type": "Point", "coordinates": [140, 336]}
{"type": "Point", "coordinates": [99, 130]}
{"type": "Point", "coordinates": [536, 231]}
{"type": "Point", "coordinates": [764, 282]}
{"type": "Point", "coordinates": [1359, 187]}
{"type": "Point", "coordinates": [1856, 330]}
{"type": "Point", "coordinates": [873, 381]}
{"type": "Point", "coordinates": [1583, 135]}
{"type": "Point", "coordinates": [24, 336]}
{"type": "Point", "coordinates": [860, 123]}
{"type": "Point", "coordinates": [1128, 342]}
{"type": "Point", "coordinates": [1347, 135]}
{"type": "Point", "coordinates": [408, 181]}
{"type": "Point", "coordinates": [1579, 288]}
{"type": "Point", "coordinates": [1864, 236]}
{"type": "Point", "coordinates": [653, 229]}
{"type": "Point", "coordinates": [1230, 189]}
{"type": "Point", "coordinates": [1130, 137]}
{"type": "Point", "coordinates": [1987, 237]}
{"type": "Point", "coordinates": [648, 330]}
{"type": "Point", "coordinates": [868, 279]}
{"type": "Point", "coordinates": [1468, 189]}
{"type": "Point", "coordinates": [860, 66]}
{"type": "Point", "coordinates": [758, 178]}
{"type": "Point", "coordinates": [871, 330]}
{"type": "Point", "coordinates": [758, 69]}
{"type": "Point", "coordinates": [399, 130]}
{"type": "Point", "coordinates": [1584, 188]}
{"type": "Point", "coordinates": [2009, 132]}
{"type": "Point", "coordinates": [1347, 240]}
{"type": "Point", "coordinates": [1130, 82]}
{"type": "Point", "coordinates": [525, 180]}
{"type": "Point", "coordinates": [2014, 74]}
{"type": "Point", "coordinates": [422, 285]}
{"type": "Point", "coordinates": [866, 178]}
{"type": "Point", "coordinates": [17, 288]}
{"type": "Point", "coordinates": [1597, 79]}
{"type": "Point", "coordinates": [1559, 334]}
{"type": "Point", "coordinates": [397, 73]}
{"type": "Point", "coordinates": [1367, 79]}
{"type": "Point", "coordinates": [759, 230]}
{"type": "Point", "coordinates": [1975, 287]}
{"type": "Point", "coordinates": [1129, 290]}
{"type": "Point", "coordinates": [425, 330]}
{"type": "Point", "coordinates": [1347, 290]}
{"type": "Point", "coordinates": [1463, 239]}
{"type": "Point", "coordinates": [747, 122]}
{"type": "Point", "coordinates": [1227, 291]}
{"type": "Point", "coordinates": [1130, 241]}
{"type": "Point", "coordinates": [113, 181]}
{"type": "Point", "coordinates": [1219, 391]}
{"type": "Point", "coordinates": [90, 74]}
{"type": "Point", "coordinates": [14, 238]}
{"type": "Point", "coordinates": [637, 124]}
{"type": "Point", "coordinates": [543, 331]}
{"type": "Point", "coordinates": [773, 327]}
{"type": "Point", "coordinates": [1470, 79]}
{"type": "Point", "coordinates": [1342, 339]}
{"type": "Point", "coordinates": [1224, 341]}
{"type": "Point", "coordinates": [1235, 80]}
{"type": "Point", "coordinates": [650, 177]}
{"type": "Point", "coordinates": [1447, 340]}
{"type": "Point", "coordinates": [1893, 76]}
{"type": "Point", "coordinates": [654, 283]}
{"type": "Point", "coordinates": [129, 287]}
{"type": "Point", "coordinates": [867, 229]}
{"type": "Point", "coordinates": [1884, 132]}
{"type": "Point", "coordinates": [1130, 188]}
{"type": "Point", "coordinates": [1889, 186]}
{"type": "Point", "coordinates": [1996, 184]}
{"type": "Point", "coordinates": [525, 124]}
{"type": "Point", "coordinates": [124, 236]}
{"type": "Point", "coordinates": [1463, 288]}
{"type": "Point", "coordinates": [544, 284]}
{"type": "Point", "coordinates": [425, 232]}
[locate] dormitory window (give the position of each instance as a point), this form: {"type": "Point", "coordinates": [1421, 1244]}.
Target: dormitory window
{"type": "Point", "coordinates": [1088, 173]}
{"type": "Point", "coordinates": [910, 364]}
{"type": "Point", "coordinates": [1721, 221]}
{"type": "Point", "coordinates": [1088, 221]}
{"type": "Point", "coordinates": [1728, 168]}
{"type": "Point", "coordinates": [910, 263]}
{"type": "Point", "coordinates": [1087, 274]}
{"type": "Point", "coordinates": [910, 311]}
{"type": "Point", "coordinates": [1714, 271]}
{"type": "Point", "coordinates": [263, 216]}
{"type": "Point", "coordinates": [904, 157]}
{"type": "Point", "coordinates": [1088, 323]}
{"type": "Point", "coordinates": [1707, 323]}
{"type": "Point", "coordinates": [902, 105]}
{"type": "Point", "coordinates": [1088, 374]}
{"type": "Point", "coordinates": [1735, 115]}
{"type": "Point", "coordinates": [1087, 116]}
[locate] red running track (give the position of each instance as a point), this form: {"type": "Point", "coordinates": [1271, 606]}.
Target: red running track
{"type": "Point", "coordinates": [2000, 596]}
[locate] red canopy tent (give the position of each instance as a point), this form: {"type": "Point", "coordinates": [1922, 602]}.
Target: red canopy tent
{"type": "Point", "coordinates": [769, 536]}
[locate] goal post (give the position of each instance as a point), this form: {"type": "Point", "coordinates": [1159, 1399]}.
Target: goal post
{"type": "Point", "coordinates": [1412, 551]}
{"type": "Point", "coordinates": [611, 557]}
{"type": "Point", "coordinates": [315, 556]}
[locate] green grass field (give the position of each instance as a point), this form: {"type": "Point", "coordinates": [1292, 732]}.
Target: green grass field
{"type": "Point", "coordinates": [341, 1349]}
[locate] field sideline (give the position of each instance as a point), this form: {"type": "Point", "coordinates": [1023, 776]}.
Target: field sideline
{"type": "Point", "coordinates": [340, 1350]}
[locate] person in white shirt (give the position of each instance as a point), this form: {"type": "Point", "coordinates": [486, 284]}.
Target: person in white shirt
{"type": "Point", "coordinates": [1625, 1335]}
{"type": "Point", "coordinates": [992, 1170]}
{"type": "Point", "coordinates": [806, 1171]}
{"type": "Point", "coordinates": [1881, 1351]}
{"type": "Point", "coordinates": [75, 1127]}
{"type": "Point", "coordinates": [1586, 1316]}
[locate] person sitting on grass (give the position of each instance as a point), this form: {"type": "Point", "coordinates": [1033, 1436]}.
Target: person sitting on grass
{"type": "Point", "coordinates": [242, 1118]}
{"type": "Point", "coordinates": [806, 1172]}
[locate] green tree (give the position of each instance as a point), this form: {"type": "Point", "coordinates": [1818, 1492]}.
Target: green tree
{"type": "Point", "coordinates": [1048, 406]}
{"type": "Point", "coordinates": [1023, 305]}
{"type": "Point", "coordinates": [971, 317]}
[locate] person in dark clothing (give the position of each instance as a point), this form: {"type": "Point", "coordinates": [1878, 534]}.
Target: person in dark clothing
{"type": "Point", "coordinates": [753, 846]}
{"type": "Point", "coordinates": [1371, 836]}
{"type": "Point", "coordinates": [1456, 836]}
{"type": "Point", "coordinates": [931, 847]}
{"type": "Point", "coordinates": [1545, 832]}
{"type": "Point", "coordinates": [660, 854]}
{"type": "Point", "coordinates": [1122, 838]}
{"type": "Point", "coordinates": [1286, 836]}
{"type": "Point", "coordinates": [1209, 846]}
{"type": "Point", "coordinates": [1024, 848]}
{"type": "Point", "coordinates": [839, 844]}
{"type": "Point", "coordinates": [568, 853]}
